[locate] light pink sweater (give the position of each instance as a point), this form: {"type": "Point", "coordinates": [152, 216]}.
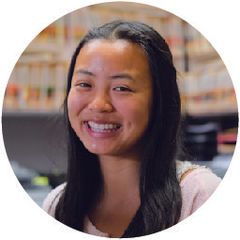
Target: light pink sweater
{"type": "Point", "coordinates": [196, 188]}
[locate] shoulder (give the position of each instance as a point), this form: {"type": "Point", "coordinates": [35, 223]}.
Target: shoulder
{"type": "Point", "coordinates": [51, 201]}
{"type": "Point", "coordinates": [196, 187]}
{"type": "Point", "coordinates": [196, 177]}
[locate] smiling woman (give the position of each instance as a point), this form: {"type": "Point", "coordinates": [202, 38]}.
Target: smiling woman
{"type": "Point", "coordinates": [122, 111]}
{"type": "Point", "coordinates": [110, 97]}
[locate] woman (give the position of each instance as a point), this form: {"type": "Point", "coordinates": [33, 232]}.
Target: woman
{"type": "Point", "coordinates": [122, 112]}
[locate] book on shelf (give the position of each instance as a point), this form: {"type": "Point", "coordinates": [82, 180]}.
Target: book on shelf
{"type": "Point", "coordinates": [36, 87]}
{"type": "Point", "coordinates": [38, 80]}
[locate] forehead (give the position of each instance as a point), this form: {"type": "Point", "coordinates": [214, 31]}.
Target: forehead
{"type": "Point", "coordinates": [116, 44]}
{"type": "Point", "coordinates": [118, 51]}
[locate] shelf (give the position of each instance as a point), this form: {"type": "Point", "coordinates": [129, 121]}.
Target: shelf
{"type": "Point", "coordinates": [213, 114]}
{"type": "Point", "coordinates": [128, 8]}
{"type": "Point", "coordinates": [206, 115]}
{"type": "Point", "coordinates": [38, 47]}
{"type": "Point", "coordinates": [200, 110]}
{"type": "Point", "coordinates": [204, 56]}
{"type": "Point", "coordinates": [43, 66]}
{"type": "Point", "coordinates": [29, 113]}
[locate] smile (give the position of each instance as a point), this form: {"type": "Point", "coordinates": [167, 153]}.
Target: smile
{"type": "Point", "coordinates": [102, 127]}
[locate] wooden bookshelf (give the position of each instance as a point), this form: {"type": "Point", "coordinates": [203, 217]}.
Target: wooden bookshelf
{"type": "Point", "coordinates": [39, 78]}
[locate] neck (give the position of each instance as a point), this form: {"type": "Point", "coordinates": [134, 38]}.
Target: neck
{"type": "Point", "coordinates": [121, 177]}
{"type": "Point", "coordinates": [120, 198]}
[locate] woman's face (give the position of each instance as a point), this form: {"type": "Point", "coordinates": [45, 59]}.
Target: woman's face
{"type": "Point", "coordinates": [110, 97]}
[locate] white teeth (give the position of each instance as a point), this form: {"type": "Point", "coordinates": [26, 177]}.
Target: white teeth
{"type": "Point", "coordinates": [96, 127]}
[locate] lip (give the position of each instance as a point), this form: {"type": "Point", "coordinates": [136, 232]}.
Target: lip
{"type": "Point", "coordinates": [101, 120]}
{"type": "Point", "coordinates": [102, 134]}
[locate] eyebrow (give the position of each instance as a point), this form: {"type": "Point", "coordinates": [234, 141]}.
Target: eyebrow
{"type": "Point", "coordinates": [122, 75]}
{"type": "Point", "coordinates": [113, 77]}
{"type": "Point", "coordinates": [85, 72]}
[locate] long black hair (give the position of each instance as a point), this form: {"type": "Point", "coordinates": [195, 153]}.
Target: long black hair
{"type": "Point", "coordinates": [160, 193]}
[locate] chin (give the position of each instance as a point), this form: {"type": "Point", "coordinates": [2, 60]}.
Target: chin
{"type": "Point", "coordinates": [98, 150]}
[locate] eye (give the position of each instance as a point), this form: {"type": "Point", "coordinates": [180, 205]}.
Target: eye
{"type": "Point", "coordinates": [122, 89]}
{"type": "Point", "coordinates": [83, 85]}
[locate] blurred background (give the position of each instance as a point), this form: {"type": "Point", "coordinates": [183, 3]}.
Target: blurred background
{"type": "Point", "coordinates": [33, 129]}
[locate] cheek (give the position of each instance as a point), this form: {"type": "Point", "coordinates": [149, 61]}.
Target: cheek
{"type": "Point", "coordinates": [74, 104]}
{"type": "Point", "coordinates": [141, 117]}
{"type": "Point", "coordinates": [135, 113]}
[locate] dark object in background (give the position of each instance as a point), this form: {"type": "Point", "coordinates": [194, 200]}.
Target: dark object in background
{"type": "Point", "coordinates": [227, 141]}
{"type": "Point", "coordinates": [56, 179]}
{"type": "Point", "coordinates": [36, 140]}
{"type": "Point", "coordinates": [200, 140]}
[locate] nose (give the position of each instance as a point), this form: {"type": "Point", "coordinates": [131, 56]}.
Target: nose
{"type": "Point", "coordinates": [101, 103]}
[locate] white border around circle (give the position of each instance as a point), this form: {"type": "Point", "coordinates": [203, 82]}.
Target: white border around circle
{"type": "Point", "coordinates": [21, 21]}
